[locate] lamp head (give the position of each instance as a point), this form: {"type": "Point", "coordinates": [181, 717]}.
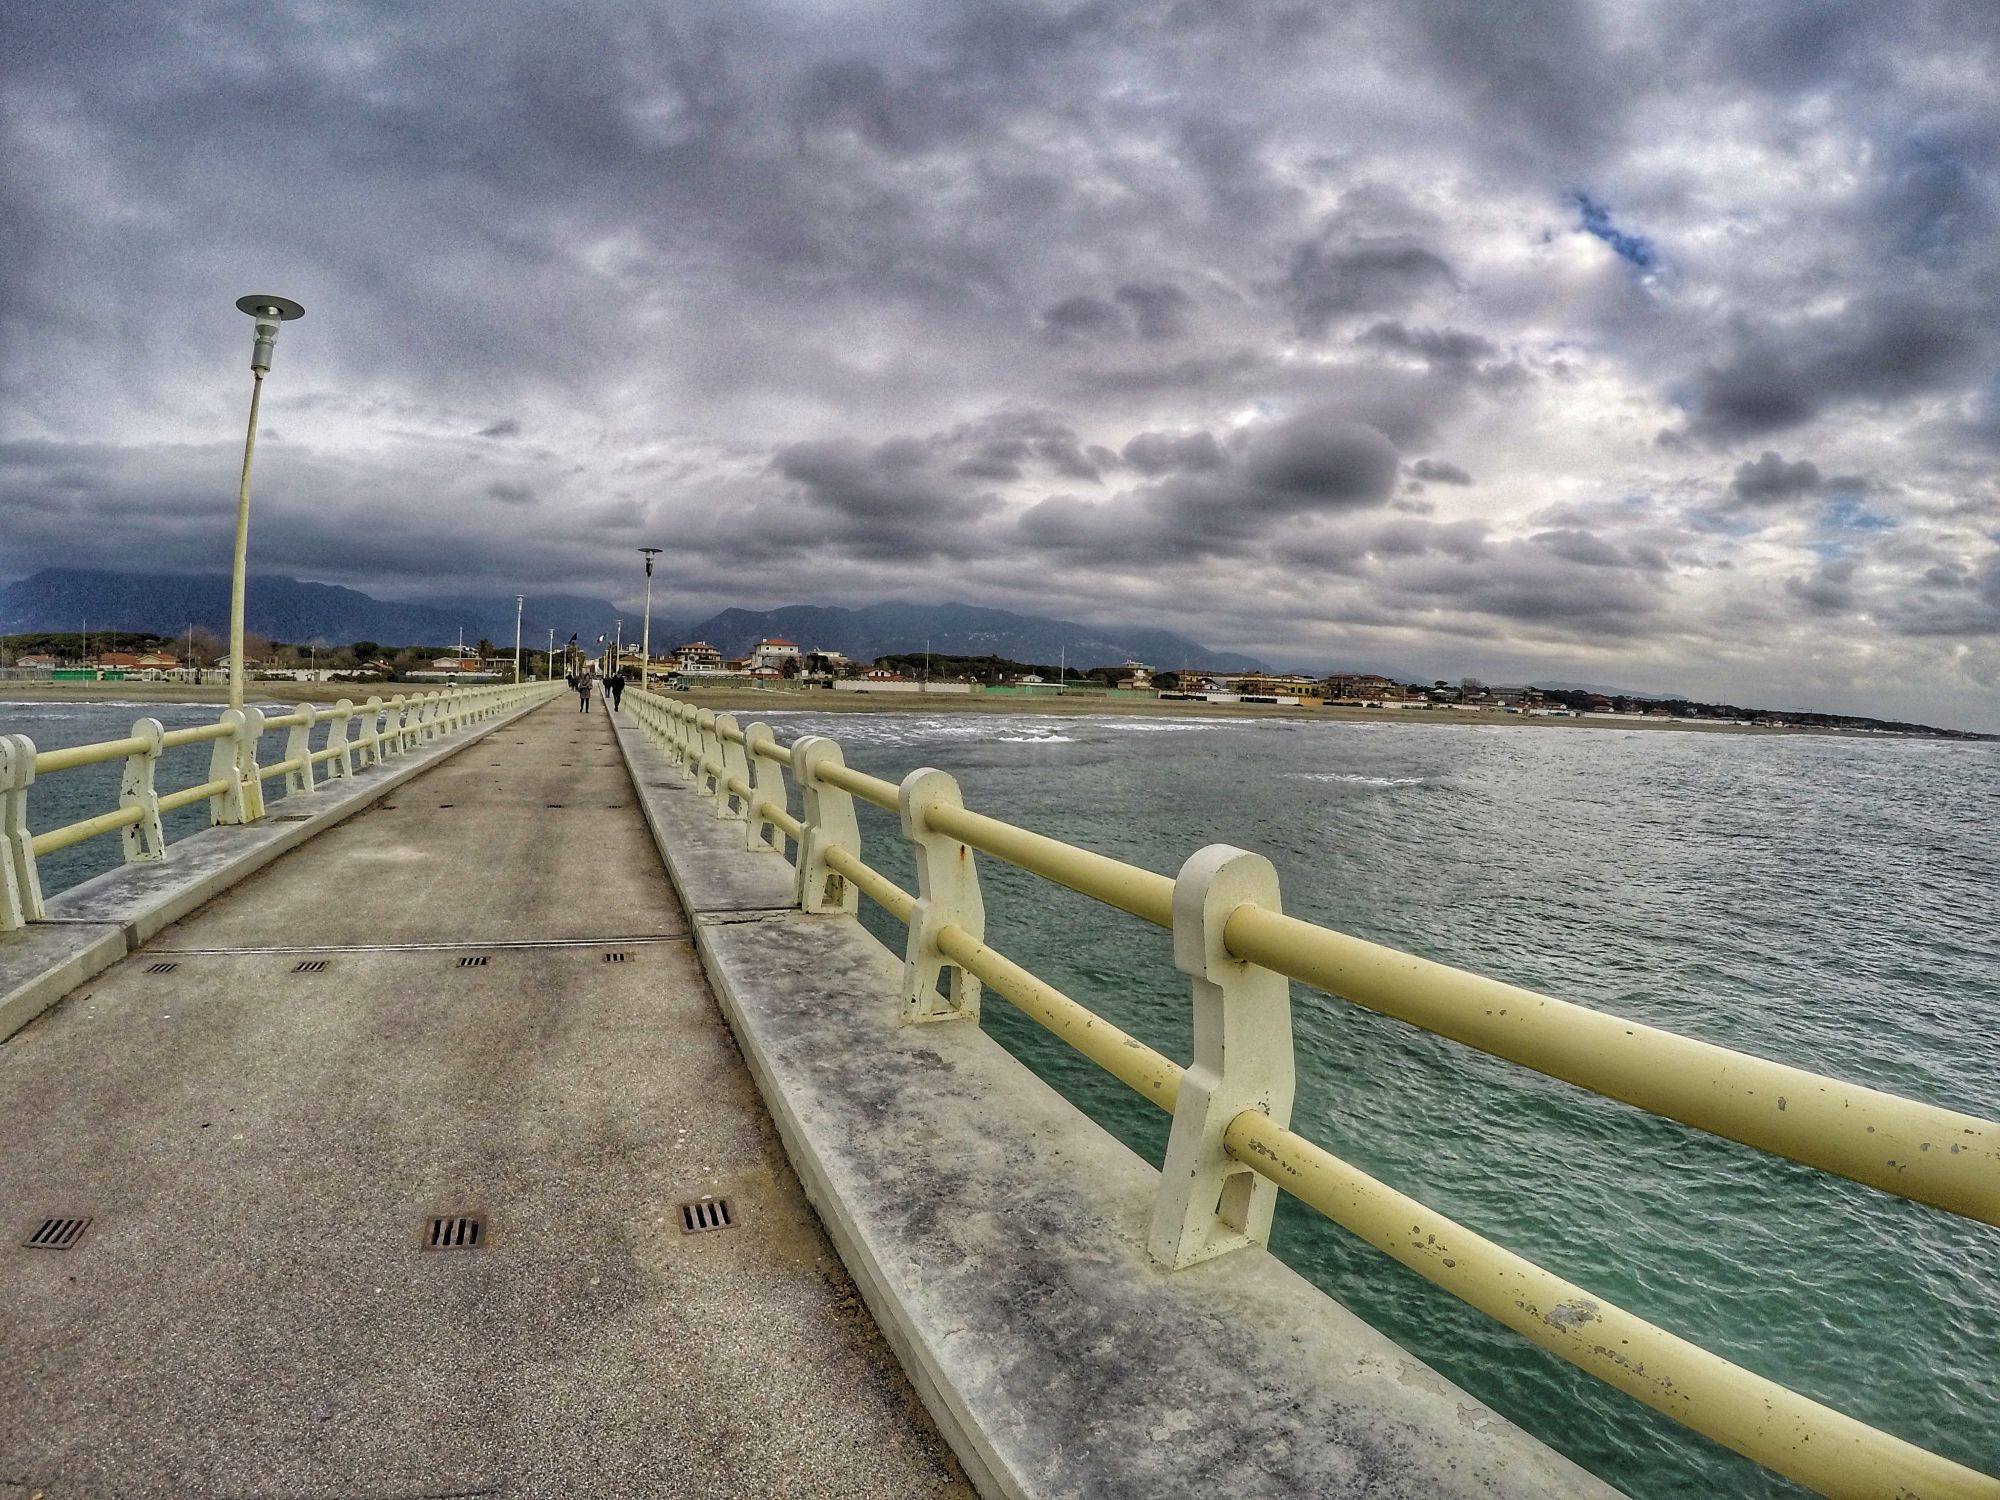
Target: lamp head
{"type": "Point", "coordinates": [269, 312]}
{"type": "Point", "coordinates": [650, 553]}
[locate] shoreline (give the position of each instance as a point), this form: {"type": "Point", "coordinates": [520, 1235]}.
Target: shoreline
{"type": "Point", "coordinates": [753, 700]}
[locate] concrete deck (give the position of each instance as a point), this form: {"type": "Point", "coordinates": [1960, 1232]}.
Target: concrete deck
{"type": "Point", "coordinates": [249, 1314]}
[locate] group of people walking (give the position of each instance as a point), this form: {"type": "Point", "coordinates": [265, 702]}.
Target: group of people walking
{"type": "Point", "coordinates": [584, 682]}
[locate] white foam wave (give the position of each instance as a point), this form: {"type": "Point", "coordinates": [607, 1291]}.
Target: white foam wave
{"type": "Point", "coordinates": [1350, 778]}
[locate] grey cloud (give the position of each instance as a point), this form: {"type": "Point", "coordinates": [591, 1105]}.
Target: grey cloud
{"type": "Point", "coordinates": [1445, 346]}
{"type": "Point", "coordinates": [1890, 348]}
{"type": "Point", "coordinates": [1167, 452]}
{"type": "Point", "coordinates": [1159, 309]}
{"type": "Point", "coordinates": [1437, 471]}
{"type": "Point", "coordinates": [511, 493]}
{"type": "Point", "coordinates": [1320, 461]}
{"type": "Point", "coordinates": [1081, 319]}
{"type": "Point", "coordinates": [1828, 590]}
{"type": "Point", "coordinates": [1334, 277]}
{"type": "Point", "coordinates": [1771, 480]}
{"type": "Point", "coordinates": [504, 428]}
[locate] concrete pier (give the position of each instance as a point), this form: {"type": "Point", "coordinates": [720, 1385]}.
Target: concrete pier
{"type": "Point", "coordinates": [259, 1147]}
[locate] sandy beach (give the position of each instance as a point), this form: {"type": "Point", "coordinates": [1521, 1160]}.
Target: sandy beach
{"type": "Point", "coordinates": [747, 703]}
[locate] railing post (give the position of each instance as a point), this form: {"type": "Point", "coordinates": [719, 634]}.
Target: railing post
{"type": "Point", "coordinates": [1209, 1203]}
{"type": "Point", "coordinates": [341, 764]}
{"type": "Point", "coordinates": [767, 784]}
{"type": "Point", "coordinates": [735, 767]}
{"type": "Point", "coordinates": [389, 739]}
{"type": "Point", "coordinates": [828, 816]}
{"type": "Point", "coordinates": [298, 747]}
{"type": "Point", "coordinates": [20, 885]}
{"type": "Point", "coordinates": [225, 764]}
{"type": "Point", "coordinates": [947, 896]}
{"type": "Point", "coordinates": [681, 739]}
{"type": "Point", "coordinates": [707, 750]}
{"type": "Point", "coordinates": [145, 841]}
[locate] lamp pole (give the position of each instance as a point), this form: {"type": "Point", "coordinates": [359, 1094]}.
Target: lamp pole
{"type": "Point", "coordinates": [517, 640]}
{"type": "Point", "coordinates": [646, 630]}
{"type": "Point", "coordinates": [269, 314]}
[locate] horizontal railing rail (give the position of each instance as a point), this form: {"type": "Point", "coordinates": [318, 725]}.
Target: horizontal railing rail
{"type": "Point", "coordinates": [1231, 1148]}
{"type": "Point", "coordinates": [355, 737]}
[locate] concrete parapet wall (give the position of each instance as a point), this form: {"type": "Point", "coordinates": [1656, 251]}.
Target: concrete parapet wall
{"type": "Point", "coordinates": [999, 1238]}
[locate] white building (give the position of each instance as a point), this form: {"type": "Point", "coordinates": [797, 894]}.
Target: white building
{"type": "Point", "coordinates": [774, 653]}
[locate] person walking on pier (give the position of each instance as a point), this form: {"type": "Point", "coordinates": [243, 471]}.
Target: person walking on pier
{"type": "Point", "coordinates": [585, 683]}
{"type": "Point", "coordinates": [616, 682]}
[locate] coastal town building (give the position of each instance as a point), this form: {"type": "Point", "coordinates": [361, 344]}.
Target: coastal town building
{"type": "Point", "coordinates": [774, 653]}
{"type": "Point", "coordinates": [698, 656]}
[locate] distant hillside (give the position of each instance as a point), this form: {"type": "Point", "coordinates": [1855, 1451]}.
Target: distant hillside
{"type": "Point", "coordinates": [286, 609]}
{"type": "Point", "coordinates": [957, 630]}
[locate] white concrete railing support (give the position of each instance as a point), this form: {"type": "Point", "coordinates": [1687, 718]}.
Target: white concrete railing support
{"type": "Point", "coordinates": [767, 784]}
{"type": "Point", "coordinates": [1209, 1203]}
{"type": "Point", "coordinates": [947, 896]}
{"type": "Point", "coordinates": [828, 816]}
{"type": "Point", "coordinates": [734, 770]}
{"type": "Point", "coordinates": [145, 840]}
{"type": "Point", "coordinates": [298, 747]}
{"type": "Point", "coordinates": [340, 765]}
{"type": "Point", "coordinates": [20, 885]}
{"type": "Point", "coordinates": [243, 799]}
{"type": "Point", "coordinates": [708, 752]}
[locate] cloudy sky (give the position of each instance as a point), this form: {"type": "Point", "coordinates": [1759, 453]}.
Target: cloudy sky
{"type": "Point", "coordinates": [1651, 344]}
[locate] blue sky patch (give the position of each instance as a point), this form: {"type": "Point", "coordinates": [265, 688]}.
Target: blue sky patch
{"type": "Point", "coordinates": [1847, 513]}
{"type": "Point", "coordinates": [1595, 218]}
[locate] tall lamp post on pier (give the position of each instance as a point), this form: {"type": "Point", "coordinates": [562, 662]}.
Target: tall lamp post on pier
{"type": "Point", "coordinates": [646, 630]}
{"type": "Point", "coordinates": [517, 639]}
{"type": "Point", "coordinates": [269, 313]}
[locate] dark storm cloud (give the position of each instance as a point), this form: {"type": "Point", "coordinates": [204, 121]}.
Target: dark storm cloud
{"type": "Point", "coordinates": [1168, 452]}
{"type": "Point", "coordinates": [1828, 590]}
{"type": "Point", "coordinates": [506, 427]}
{"type": "Point", "coordinates": [1335, 277]}
{"type": "Point", "coordinates": [1082, 318]}
{"type": "Point", "coordinates": [1891, 348]}
{"type": "Point", "coordinates": [1444, 346]}
{"type": "Point", "coordinates": [1160, 310]}
{"type": "Point", "coordinates": [1770, 480]}
{"type": "Point", "coordinates": [1437, 471]}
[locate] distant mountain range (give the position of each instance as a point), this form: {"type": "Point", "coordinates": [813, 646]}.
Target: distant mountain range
{"type": "Point", "coordinates": [288, 609]}
{"type": "Point", "coordinates": [285, 609]}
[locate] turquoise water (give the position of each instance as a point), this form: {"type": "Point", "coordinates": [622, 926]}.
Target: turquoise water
{"type": "Point", "coordinates": [1825, 902]}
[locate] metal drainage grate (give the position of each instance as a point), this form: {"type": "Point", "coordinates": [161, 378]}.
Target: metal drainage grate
{"type": "Point", "coordinates": [57, 1234]}
{"type": "Point", "coordinates": [705, 1214]}
{"type": "Point", "coordinates": [311, 966]}
{"type": "Point", "coordinates": [161, 968]}
{"type": "Point", "coordinates": [614, 958]}
{"type": "Point", "coordinates": [454, 1231]}
{"type": "Point", "coordinates": [473, 961]}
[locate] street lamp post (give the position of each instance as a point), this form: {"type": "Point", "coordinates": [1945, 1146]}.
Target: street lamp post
{"type": "Point", "coordinates": [646, 630]}
{"type": "Point", "coordinates": [269, 313]}
{"type": "Point", "coordinates": [517, 639]}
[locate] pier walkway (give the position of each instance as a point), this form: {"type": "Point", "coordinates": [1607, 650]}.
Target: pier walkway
{"type": "Point", "coordinates": [476, 997]}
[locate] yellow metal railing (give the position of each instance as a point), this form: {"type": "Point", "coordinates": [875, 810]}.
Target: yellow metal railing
{"type": "Point", "coordinates": [1936, 1156]}
{"type": "Point", "coordinates": [355, 737]}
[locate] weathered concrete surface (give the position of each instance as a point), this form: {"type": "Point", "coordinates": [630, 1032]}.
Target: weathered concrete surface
{"type": "Point", "coordinates": [125, 907]}
{"type": "Point", "coordinates": [999, 1237]}
{"type": "Point", "coordinates": [249, 1314]}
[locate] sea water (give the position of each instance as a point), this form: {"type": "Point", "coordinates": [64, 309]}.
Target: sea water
{"type": "Point", "coordinates": [1826, 902]}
